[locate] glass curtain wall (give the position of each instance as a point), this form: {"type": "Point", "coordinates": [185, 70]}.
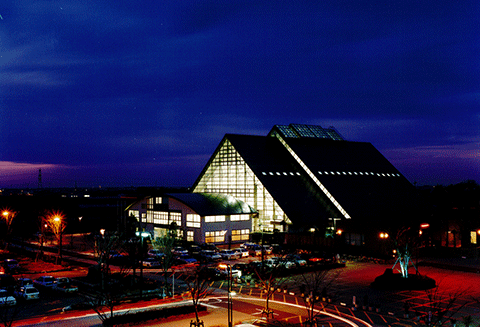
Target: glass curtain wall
{"type": "Point", "coordinates": [229, 174]}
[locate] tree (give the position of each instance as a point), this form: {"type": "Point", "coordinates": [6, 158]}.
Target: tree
{"type": "Point", "coordinates": [314, 286]}
{"type": "Point", "coordinates": [270, 278]}
{"type": "Point", "coordinates": [405, 241]}
{"type": "Point", "coordinates": [165, 243]}
{"type": "Point", "coordinates": [442, 307]}
{"type": "Point", "coordinates": [110, 293]}
{"type": "Point", "coordinates": [199, 287]}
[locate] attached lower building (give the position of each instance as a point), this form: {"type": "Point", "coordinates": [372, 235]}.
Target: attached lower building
{"type": "Point", "coordinates": [197, 217]}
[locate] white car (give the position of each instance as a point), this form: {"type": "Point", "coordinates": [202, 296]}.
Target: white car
{"type": "Point", "coordinates": [244, 252]}
{"type": "Point", "coordinates": [45, 281]}
{"type": "Point", "coordinates": [230, 254]}
{"type": "Point", "coordinates": [224, 270]}
{"type": "Point", "coordinates": [6, 300]}
{"type": "Point", "coordinates": [27, 293]}
{"type": "Point", "coordinates": [210, 255]}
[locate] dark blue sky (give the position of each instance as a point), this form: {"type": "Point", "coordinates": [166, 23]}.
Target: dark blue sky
{"type": "Point", "coordinates": [129, 93]}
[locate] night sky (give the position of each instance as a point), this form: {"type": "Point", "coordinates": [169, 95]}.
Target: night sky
{"type": "Point", "coordinates": [140, 93]}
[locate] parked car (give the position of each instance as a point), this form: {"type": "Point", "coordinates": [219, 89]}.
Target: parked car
{"type": "Point", "coordinates": [229, 254]}
{"type": "Point", "coordinates": [5, 299]}
{"type": "Point", "coordinates": [209, 256]}
{"type": "Point", "coordinates": [209, 246]}
{"type": "Point", "coordinates": [267, 249]}
{"type": "Point", "coordinates": [155, 253]}
{"type": "Point", "coordinates": [178, 250]}
{"type": "Point", "coordinates": [150, 262]}
{"type": "Point", "coordinates": [194, 250]}
{"type": "Point", "coordinates": [184, 259]}
{"type": "Point", "coordinates": [253, 249]}
{"type": "Point", "coordinates": [244, 252]}
{"type": "Point", "coordinates": [224, 269]}
{"type": "Point", "coordinates": [294, 261]}
{"type": "Point", "coordinates": [27, 293]}
{"type": "Point", "coordinates": [64, 285]}
{"type": "Point", "coordinates": [11, 266]}
{"type": "Point", "coordinates": [22, 282]}
{"type": "Point", "coordinates": [44, 281]}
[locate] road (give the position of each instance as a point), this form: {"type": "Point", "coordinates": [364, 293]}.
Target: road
{"type": "Point", "coordinates": [383, 307]}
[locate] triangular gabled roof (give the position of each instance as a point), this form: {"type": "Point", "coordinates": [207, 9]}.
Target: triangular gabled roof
{"type": "Point", "coordinates": [354, 173]}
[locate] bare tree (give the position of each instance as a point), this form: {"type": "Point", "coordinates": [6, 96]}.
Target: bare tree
{"type": "Point", "coordinates": [110, 292]}
{"type": "Point", "coordinates": [442, 307]}
{"type": "Point", "coordinates": [270, 278]}
{"type": "Point", "coordinates": [314, 286]}
{"type": "Point", "coordinates": [406, 241]}
{"type": "Point", "coordinates": [199, 287]}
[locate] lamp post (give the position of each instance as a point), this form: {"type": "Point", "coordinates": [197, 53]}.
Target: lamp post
{"type": "Point", "coordinates": [55, 222]}
{"type": "Point", "coordinates": [229, 302]}
{"type": "Point", "coordinates": [142, 235]}
{"type": "Point", "coordinates": [8, 216]}
{"type": "Point", "coordinates": [59, 228]}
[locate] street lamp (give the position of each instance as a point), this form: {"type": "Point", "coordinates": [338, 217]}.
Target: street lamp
{"type": "Point", "coordinates": [229, 302]}
{"type": "Point", "coordinates": [8, 216]}
{"type": "Point", "coordinates": [55, 222]}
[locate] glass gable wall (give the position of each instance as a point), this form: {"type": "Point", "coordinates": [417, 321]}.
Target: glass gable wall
{"type": "Point", "coordinates": [229, 174]}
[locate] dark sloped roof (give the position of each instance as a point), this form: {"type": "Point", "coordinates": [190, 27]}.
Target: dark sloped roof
{"type": "Point", "coordinates": [281, 176]}
{"type": "Point", "coordinates": [206, 204]}
{"type": "Point", "coordinates": [362, 196]}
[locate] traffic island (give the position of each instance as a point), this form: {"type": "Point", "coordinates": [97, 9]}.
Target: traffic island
{"type": "Point", "coordinates": [392, 281]}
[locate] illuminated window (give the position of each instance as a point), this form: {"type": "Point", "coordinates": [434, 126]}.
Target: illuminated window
{"type": "Point", "coordinates": [240, 235]}
{"type": "Point", "coordinates": [214, 219]}
{"type": "Point", "coordinates": [190, 236]}
{"type": "Point", "coordinates": [215, 237]}
{"type": "Point", "coordinates": [239, 217]}
{"type": "Point", "coordinates": [176, 217]}
{"type": "Point", "coordinates": [152, 201]}
{"type": "Point", "coordinates": [193, 220]}
{"type": "Point", "coordinates": [157, 217]}
{"type": "Point", "coordinates": [135, 213]}
{"type": "Point", "coordinates": [473, 237]}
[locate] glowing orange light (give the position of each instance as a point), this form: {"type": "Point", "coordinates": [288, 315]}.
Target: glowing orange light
{"type": "Point", "coordinates": [383, 235]}
{"type": "Point", "coordinates": [424, 225]}
{"type": "Point", "coordinates": [339, 232]}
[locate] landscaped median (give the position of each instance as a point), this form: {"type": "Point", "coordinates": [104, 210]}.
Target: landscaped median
{"type": "Point", "coordinates": [148, 314]}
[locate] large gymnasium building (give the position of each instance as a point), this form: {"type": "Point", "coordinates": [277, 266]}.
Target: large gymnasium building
{"type": "Point", "coordinates": [307, 180]}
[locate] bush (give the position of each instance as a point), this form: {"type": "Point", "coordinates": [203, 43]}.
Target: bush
{"type": "Point", "coordinates": [159, 313]}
